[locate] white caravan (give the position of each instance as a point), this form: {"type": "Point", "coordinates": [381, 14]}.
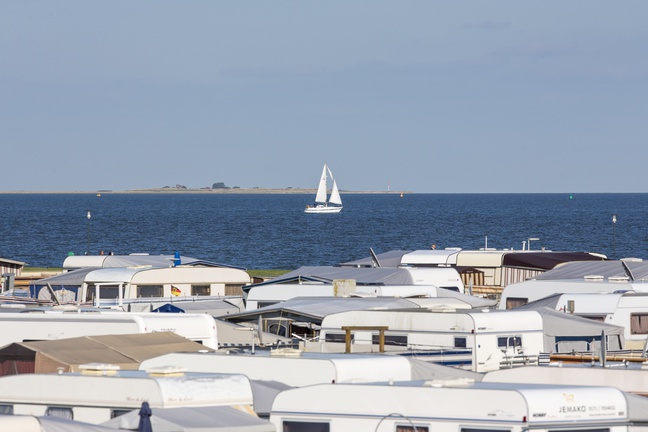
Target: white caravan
{"type": "Point", "coordinates": [525, 292]}
{"type": "Point", "coordinates": [628, 379]}
{"type": "Point", "coordinates": [474, 340]}
{"type": "Point", "coordinates": [438, 406]}
{"type": "Point", "coordinates": [442, 277]}
{"type": "Point", "coordinates": [34, 326]}
{"type": "Point", "coordinates": [102, 392]}
{"type": "Point", "coordinates": [118, 285]}
{"type": "Point", "coordinates": [293, 368]}
{"type": "Point", "coordinates": [269, 294]}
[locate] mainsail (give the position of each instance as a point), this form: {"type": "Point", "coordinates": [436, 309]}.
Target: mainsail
{"type": "Point", "coordinates": [321, 190]}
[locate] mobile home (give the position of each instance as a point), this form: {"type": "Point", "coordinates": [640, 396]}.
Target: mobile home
{"type": "Point", "coordinates": [450, 407]}
{"type": "Point", "coordinates": [473, 340]}
{"type": "Point", "coordinates": [522, 293]}
{"type": "Point", "coordinates": [35, 326]}
{"type": "Point", "coordinates": [442, 277]}
{"type": "Point", "coordinates": [116, 285]}
{"type": "Point", "coordinates": [259, 296]}
{"type": "Point", "coordinates": [102, 392]}
{"type": "Point", "coordinates": [300, 369]}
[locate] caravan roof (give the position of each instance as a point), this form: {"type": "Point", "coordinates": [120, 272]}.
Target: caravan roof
{"type": "Point", "coordinates": [318, 307]}
{"type": "Point", "coordinates": [126, 389]}
{"type": "Point", "coordinates": [82, 261]}
{"type": "Point", "coordinates": [431, 257]}
{"type": "Point", "coordinates": [308, 368]}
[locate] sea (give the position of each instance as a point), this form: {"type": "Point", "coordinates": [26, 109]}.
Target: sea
{"type": "Point", "coordinates": [271, 231]}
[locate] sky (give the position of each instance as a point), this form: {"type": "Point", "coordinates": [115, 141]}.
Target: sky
{"type": "Point", "coordinates": [420, 96]}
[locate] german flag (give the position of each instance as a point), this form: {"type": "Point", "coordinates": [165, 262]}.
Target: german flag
{"type": "Point", "coordinates": [175, 291]}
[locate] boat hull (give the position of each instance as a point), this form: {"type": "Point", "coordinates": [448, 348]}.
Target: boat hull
{"type": "Point", "coordinates": [323, 209]}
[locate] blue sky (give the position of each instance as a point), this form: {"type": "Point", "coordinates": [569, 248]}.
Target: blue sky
{"type": "Point", "coordinates": [423, 96]}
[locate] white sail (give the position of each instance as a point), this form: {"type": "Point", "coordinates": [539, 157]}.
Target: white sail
{"type": "Point", "coordinates": [335, 195]}
{"type": "Point", "coordinates": [321, 190]}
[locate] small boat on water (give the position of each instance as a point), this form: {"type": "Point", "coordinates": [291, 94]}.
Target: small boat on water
{"type": "Point", "coordinates": [324, 204]}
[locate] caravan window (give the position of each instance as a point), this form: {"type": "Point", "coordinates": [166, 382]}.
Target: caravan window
{"type": "Point", "coordinates": [337, 337]}
{"type": "Point", "coordinates": [390, 340]}
{"type": "Point", "coordinates": [105, 291]}
{"type": "Point", "coordinates": [302, 426]}
{"type": "Point", "coordinates": [61, 412]}
{"type": "Point", "coordinates": [6, 410]}
{"type": "Point", "coordinates": [600, 318]}
{"type": "Point", "coordinates": [513, 302]}
{"type": "Point", "coordinates": [509, 341]}
{"type": "Point", "coordinates": [150, 291]}
{"type": "Point", "coordinates": [200, 290]}
{"type": "Point", "coordinates": [410, 428]}
{"type": "Point", "coordinates": [639, 324]}
{"type": "Point", "coordinates": [460, 342]}
{"type": "Point", "coordinates": [581, 430]}
{"type": "Point", "coordinates": [233, 289]}
{"type": "Point", "coordinates": [118, 412]}
{"type": "Point", "coordinates": [484, 430]}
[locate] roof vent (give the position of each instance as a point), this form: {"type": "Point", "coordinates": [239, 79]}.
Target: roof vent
{"type": "Point", "coordinates": [618, 278]}
{"type": "Point", "coordinates": [456, 382]}
{"type": "Point", "coordinates": [166, 371]}
{"type": "Point", "coordinates": [286, 352]}
{"type": "Point", "coordinates": [593, 277]}
{"type": "Point", "coordinates": [99, 369]}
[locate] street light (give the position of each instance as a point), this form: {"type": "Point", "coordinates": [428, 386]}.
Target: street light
{"type": "Point", "coordinates": [89, 216]}
{"type": "Point", "coordinates": [614, 219]}
{"type": "Point", "coordinates": [530, 240]}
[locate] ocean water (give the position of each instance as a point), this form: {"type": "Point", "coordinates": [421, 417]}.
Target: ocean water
{"type": "Point", "coordinates": [259, 231]}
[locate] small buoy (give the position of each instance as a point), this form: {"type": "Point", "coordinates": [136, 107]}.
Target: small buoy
{"type": "Point", "coordinates": [571, 196]}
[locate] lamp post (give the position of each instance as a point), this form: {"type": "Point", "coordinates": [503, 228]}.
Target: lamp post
{"type": "Point", "coordinates": [89, 216]}
{"type": "Point", "coordinates": [614, 219]}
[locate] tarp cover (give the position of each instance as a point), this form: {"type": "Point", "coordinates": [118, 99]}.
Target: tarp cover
{"type": "Point", "coordinates": [362, 276]}
{"type": "Point", "coordinates": [607, 269]}
{"type": "Point", "coordinates": [126, 351]}
{"type": "Point", "coordinates": [560, 325]}
{"type": "Point", "coordinates": [545, 260]}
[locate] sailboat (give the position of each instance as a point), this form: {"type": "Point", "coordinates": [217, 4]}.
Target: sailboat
{"type": "Point", "coordinates": [323, 205]}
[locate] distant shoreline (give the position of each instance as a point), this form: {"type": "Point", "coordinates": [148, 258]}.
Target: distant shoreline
{"type": "Point", "coordinates": [199, 191]}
